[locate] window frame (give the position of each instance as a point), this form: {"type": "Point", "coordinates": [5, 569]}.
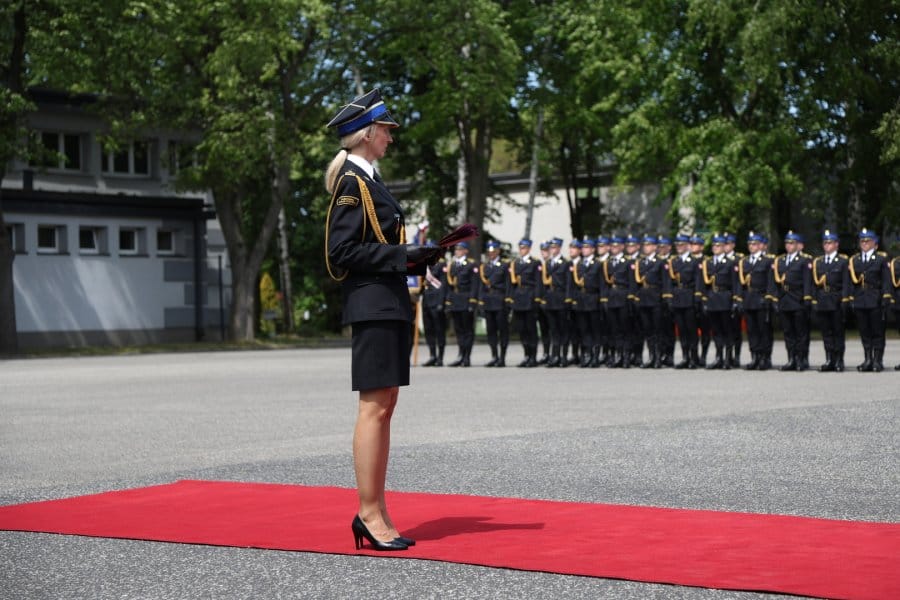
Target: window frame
{"type": "Point", "coordinates": [58, 239]}
{"type": "Point", "coordinates": [172, 251]}
{"type": "Point", "coordinates": [109, 157]}
{"type": "Point", "coordinates": [62, 156]}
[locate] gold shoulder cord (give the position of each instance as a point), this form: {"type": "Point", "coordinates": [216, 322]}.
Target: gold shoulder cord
{"type": "Point", "coordinates": [779, 278]}
{"type": "Point", "coordinates": [545, 274]}
{"type": "Point", "coordinates": [819, 281]}
{"type": "Point", "coordinates": [372, 218]}
{"type": "Point", "coordinates": [606, 276]}
{"type": "Point", "coordinates": [515, 279]}
{"type": "Point", "coordinates": [895, 279]}
{"type": "Point", "coordinates": [452, 280]}
{"type": "Point", "coordinates": [484, 279]}
{"type": "Point", "coordinates": [637, 273]}
{"type": "Point", "coordinates": [579, 281]}
{"type": "Point", "coordinates": [745, 281]}
{"type": "Point", "coordinates": [706, 278]}
{"type": "Point", "coordinates": [857, 280]}
{"type": "Point", "coordinates": [672, 273]}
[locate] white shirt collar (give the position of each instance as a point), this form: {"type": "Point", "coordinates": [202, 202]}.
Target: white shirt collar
{"type": "Point", "coordinates": [831, 256]}
{"type": "Point", "coordinates": [685, 255]}
{"type": "Point", "coordinates": [363, 164]}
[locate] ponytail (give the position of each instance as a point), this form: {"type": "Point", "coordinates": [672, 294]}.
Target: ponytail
{"type": "Point", "coordinates": [348, 142]}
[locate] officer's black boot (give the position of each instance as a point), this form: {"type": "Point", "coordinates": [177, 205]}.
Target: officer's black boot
{"type": "Point", "coordinates": [839, 361]}
{"type": "Point", "coordinates": [459, 358]}
{"type": "Point", "coordinates": [585, 357]}
{"type": "Point", "coordinates": [736, 357]}
{"type": "Point", "coordinates": [878, 360]}
{"type": "Point", "coordinates": [685, 358]}
{"type": "Point", "coordinates": [501, 362]}
{"type": "Point", "coordinates": [765, 361]}
{"type": "Point", "coordinates": [546, 357]}
{"type": "Point", "coordinates": [532, 357]}
{"type": "Point", "coordinates": [440, 357]}
{"type": "Point", "coordinates": [695, 359]}
{"type": "Point", "coordinates": [526, 358]}
{"type": "Point", "coordinates": [829, 362]}
{"type": "Point", "coordinates": [803, 361]}
{"type": "Point", "coordinates": [703, 354]}
{"type": "Point", "coordinates": [754, 362]}
{"type": "Point", "coordinates": [595, 357]}
{"type": "Point", "coordinates": [719, 362]}
{"type": "Point", "coordinates": [493, 361]}
{"type": "Point", "coordinates": [625, 359]}
{"type": "Point", "coordinates": [791, 364]}
{"type": "Point", "coordinates": [610, 353]}
{"type": "Point", "coordinates": [866, 366]}
{"type": "Point", "coordinates": [729, 358]}
{"type": "Point", "coordinates": [432, 357]}
{"type": "Point", "coordinates": [467, 356]}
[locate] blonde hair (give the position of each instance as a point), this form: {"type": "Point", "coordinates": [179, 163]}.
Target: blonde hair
{"type": "Point", "coordinates": [348, 142]}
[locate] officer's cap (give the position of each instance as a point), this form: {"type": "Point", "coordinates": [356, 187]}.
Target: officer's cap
{"type": "Point", "coordinates": [868, 234]}
{"type": "Point", "coordinates": [697, 239]}
{"type": "Point", "coordinates": [756, 237]}
{"type": "Point", "coordinates": [492, 244]}
{"type": "Point", "coordinates": [829, 236]}
{"type": "Point", "coordinates": [525, 242]}
{"type": "Point", "coordinates": [730, 237]}
{"type": "Point", "coordinates": [588, 241]}
{"type": "Point", "coordinates": [462, 245]}
{"type": "Point", "coordinates": [362, 112]}
{"type": "Point", "coordinates": [665, 240]}
{"type": "Point", "coordinates": [632, 239]}
{"type": "Point", "coordinates": [545, 245]}
{"type": "Point", "coordinates": [603, 240]}
{"type": "Point", "coordinates": [682, 238]}
{"type": "Point", "coordinates": [556, 241]}
{"type": "Point", "coordinates": [650, 239]}
{"type": "Point", "coordinates": [718, 238]}
{"type": "Point", "coordinates": [575, 244]}
{"type": "Point", "coordinates": [790, 236]}
{"type": "Point", "coordinates": [617, 239]}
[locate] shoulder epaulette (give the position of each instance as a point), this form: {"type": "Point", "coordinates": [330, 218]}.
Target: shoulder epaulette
{"type": "Point", "coordinates": [805, 255]}
{"type": "Point", "coordinates": [844, 256]}
{"type": "Point", "coordinates": [881, 253]}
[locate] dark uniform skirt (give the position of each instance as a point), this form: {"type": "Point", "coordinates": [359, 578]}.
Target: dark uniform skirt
{"type": "Point", "coordinates": [380, 354]}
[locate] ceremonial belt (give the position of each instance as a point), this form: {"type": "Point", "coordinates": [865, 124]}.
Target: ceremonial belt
{"type": "Point", "coordinates": [651, 286]}
{"type": "Point", "coordinates": [716, 288]}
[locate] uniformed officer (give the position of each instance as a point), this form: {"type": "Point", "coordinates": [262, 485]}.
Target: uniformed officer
{"type": "Point", "coordinates": [462, 299]}
{"type": "Point", "coordinates": [524, 277]}
{"type": "Point", "coordinates": [831, 299]}
{"type": "Point", "coordinates": [587, 302]}
{"type": "Point", "coordinates": [554, 281]}
{"type": "Point", "coordinates": [667, 325]}
{"type": "Point", "coordinates": [894, 268]}
{"type": "Point", "coordinates": [493, 292]}
{"type": "Point", "coordinates": [755, 274]}
{"type": "Point", "coordinates": [607, 347]}
{"type": "Point", "coordinates": [542, 320]}
{"type": "Point", "coordinates": [574, 338]}
{"type": "Point", "coordinates": [698, 243]}
{"type": "Point", "coordinates": [434, 319]}
{"type": "Point", "coordinates": [633, 320]}
{"type": "Point", "coordinates": [648, 277]}
{"type": "Point", "coordinates": [679, 287]}
{"type": "Point", "coordinates": [870, 278]}
{"type": "Point", "coordinates": [619, 293]}
{"type": "Point", "coordinates": [718, 284]}
{"type": "Point", "coordinates": [792, 294]}
{"type": "Point", "coordinates": [737, 339]}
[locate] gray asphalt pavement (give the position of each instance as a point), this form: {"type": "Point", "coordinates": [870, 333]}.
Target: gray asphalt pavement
{"type": "Point", "coordinates": [824, 445]}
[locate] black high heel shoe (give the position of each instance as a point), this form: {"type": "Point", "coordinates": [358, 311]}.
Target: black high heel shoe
{"type": "Point", "coordinates": [405, 540]}
{"type": "Point", "coordinates": [360, 531]}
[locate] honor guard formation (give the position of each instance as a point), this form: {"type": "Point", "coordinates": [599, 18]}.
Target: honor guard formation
{"type": "Point", "coordinates": [655, 302]}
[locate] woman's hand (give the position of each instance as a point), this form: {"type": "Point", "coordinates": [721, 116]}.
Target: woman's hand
{"type": "Point", "coordinates": [417, 255]}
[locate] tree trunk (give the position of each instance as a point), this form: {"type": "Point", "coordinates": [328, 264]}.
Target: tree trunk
{"type": "Point", "coordinates": [478, 164]}
{"type": "Point", "coordinates": [533, 176]}
{"type": "Point", "coordinates": [9, 343]}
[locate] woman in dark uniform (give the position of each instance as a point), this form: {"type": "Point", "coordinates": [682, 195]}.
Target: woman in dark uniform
{"type": "Point", "coordinates": [365, 249]}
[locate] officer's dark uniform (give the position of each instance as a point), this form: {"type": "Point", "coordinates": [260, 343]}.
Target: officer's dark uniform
{"type": "Point", "coordinates": [462, 277]}
{"type": "Point", "coordinates": [553, 288]}
{"type": "Point", "coordinates": [607, 344]}
{"type": "Point", "coordinates": [831, 299]}
{"type": "Point", "coordinates": [574, 334]}
{"type": "Point", "coordinates": [870, 278]}
{"type": "Point", "coordinates": [667, 320]}
{"type": "Point", "coordinates": [648, 276]}
{"type": "Point", "coordinates": [494, 291]}
{"type": "Point", "coordinates": [703, 321]}
{"type": "Point", "coordinates": [620, 289]}
{"type": "Point", "coordinates": [679, 289]}
{"type": "Point", "coordinates": [755, 276]}
{"type": "Point", "coordinates": [719, 286]}
{"type": "Point", "coordinates": [586, 302]}
{"type": "Point", "coordinates": [633, 320]}
{"type": "Point", "coordinates": [792, 293]}
{"type": "Point", "coordinates": [434, 319]}
{"type": "Point", "coordinates": [524, 277]}
{"type": "Point", "coordinates": [543, 322]}
{"type": "Point", "coordinates": [894, 268]}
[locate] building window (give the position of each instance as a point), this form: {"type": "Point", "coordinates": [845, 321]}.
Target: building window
{"type": "Point", "coordinates": [132, 241]}
{"type": "Point", "coordinates": [16, 233]}
{"type": "Point", "coordinates": [51, 239]}
{"type": "Point", "coordinates": [61, 151]}
{"type": "Point", "coordinates": [131, 159]}
{"type": "Point", "coordinates": [92, 240]}
{"type": "Point", "coordinates": [165, 241]}
{"type": "Point", "coordinates": [182, 155]}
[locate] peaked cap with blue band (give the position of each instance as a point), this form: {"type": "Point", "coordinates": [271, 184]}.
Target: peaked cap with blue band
{"type": "Point", "coordinates": [362, 112]}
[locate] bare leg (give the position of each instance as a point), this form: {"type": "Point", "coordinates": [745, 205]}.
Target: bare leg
{"type": "Point", "coordinates": [371, 446]}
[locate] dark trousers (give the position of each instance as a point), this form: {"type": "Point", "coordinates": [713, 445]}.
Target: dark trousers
{"type": "Point", "coordinates": [871, 328]}
{"type": "Point", "coordinates": [667, 331]}
{"type": "Point", "coordinates": [589, 324]}
{"type": "Point", "coordinates": [497, 325]}
{"type": "Point", "coordinates": [760, 334]}
{"type": "Point", "coordinates": [526, 325]}
{"type": "Point", "coordinates": [831, 322]}
{"type": "Point", "coordinates": [651, 323]}
{"type": "Point", "coordinates": [544, 323]}
{"type": "Point", "coordinates": [722, 325]}
{"type": "Point", "coordinates": [795, 324]}
{"type": "Point", "coordinates": [686, 321]}
{"type": "Point", "coordinates": [616, 318]}
{"type": "Point", "coordinates": [573, 333]}
{"type": "Point", "coordinates": [434, 321]}
{"type": "Point", "coordinates": [464, 326]}
{"type": "Point", "coordinates": [558, 322]}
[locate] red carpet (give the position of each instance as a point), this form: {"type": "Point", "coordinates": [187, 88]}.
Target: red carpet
{"type": "Point", "coordinates": [739, 551]}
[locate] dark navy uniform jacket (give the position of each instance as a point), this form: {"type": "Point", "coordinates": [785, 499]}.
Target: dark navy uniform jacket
{"type": "Point", "coordinates": [756, 281]}
{"type": "Point", "coordinates": [648, 277]}
{"type": "Point", "coordinates": [792, 284]}
{"type": "Point", "coordinates": [587, 277]}
{"type": "Point", "coordinates": [433, 297]}
{"type": "Point", "coordinates": [373, 273]}
{"type": "Point", "coordinates": [871, 280]}
{"type": "Point", "coordinates": [524, 280]}
{"type": "Point", "coordinates": [554, 283]}
{"type": "Point", "coordinates": [620, 284]}
{"type": "Point", "coordinates": [831, 283]}
{"type": "Point", "coordinates": [718, 283]}
{"type": "Point", "coordinates": [680, 281]}
{"type": "Point", "coordinates": [494, 289]}
{"type": "Point", "coordinates": [894, 269]}
{"type": "Point", "coordinates": [463, 280]}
